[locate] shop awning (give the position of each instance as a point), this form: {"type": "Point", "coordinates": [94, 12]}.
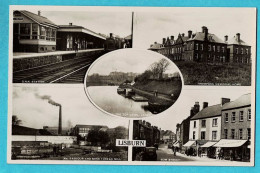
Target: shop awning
{"type": "Point", "coordinates": [229, 143]}
{"type": "Point", "coordinates": [189, 143]}
{"type": "Point", "coordinates": [208, 144]}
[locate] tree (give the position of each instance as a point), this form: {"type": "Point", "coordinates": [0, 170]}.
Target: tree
{"type": "Point", "coordinates": [162, 67]}
{"type": "Point", "coordinates": [16, 121]}
{"type": "Point", "coordinates": [97, 136]}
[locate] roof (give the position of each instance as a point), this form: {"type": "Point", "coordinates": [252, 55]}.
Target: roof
{"type": "Point", "coordinates": [80, 29]}
{"type": "Point", "coordinates": [189, 143]}
{"type": "Point", "coordinates": [21, 130]}
{"type": "Point", "coordinates": [230, 143]}
{"type": "Point", "coordinates": [156, 46]}
{"type": "Point", "coordinates": [234, 40]}
{"type": "Point", "coordinates": [37, 18]}
{"type": "Point", "coordinates": [208, 144]}
{"type": "Point", "coordinates": [208, 112]}
{"type": "Point", "coordinates": [90, 126]}
{"type": "Point", "coordinates": [129, 37]}
{"type": "Point", "coordinates": [211, 37]}
{"type": "Point", "coordinates": [243, 100]}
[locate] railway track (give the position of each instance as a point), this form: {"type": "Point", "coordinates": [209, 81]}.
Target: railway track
{"type": "Point", "coordinates": [69, 71]}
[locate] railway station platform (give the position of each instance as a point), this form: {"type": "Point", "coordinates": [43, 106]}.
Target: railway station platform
{"type": "Point", "coordinates": [24, 61]}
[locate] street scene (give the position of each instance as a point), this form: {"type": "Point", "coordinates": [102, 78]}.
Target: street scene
{"type": "Point", "coordinates": [204, 53]}
{"type": "Point", "coordinates": [56, 47]}
{"type": "Point", "coordinates": [123, 84]}
{"type": "Point", "coordinates": [48, 127]}
{"type": "Point", "coordinates": [218, 132]}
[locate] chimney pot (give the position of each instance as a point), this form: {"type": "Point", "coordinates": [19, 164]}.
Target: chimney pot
{"type": "Point", "coordinates": [172, 37]}
{"type": "Point", "coordinates": [70, 24]}
{"type": "Point", "coordinates": [238, 37]}
{"type": "Point", "coordinates": [111, 35]}
{"type": "Point", "coordinates": [182, 34]}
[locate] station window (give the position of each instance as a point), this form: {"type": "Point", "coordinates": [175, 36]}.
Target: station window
{"type": "Point", "coordinates": [197, 46]}
{"type": "Point", "coordinates": [25, 30]}
{"type": "Point", "coordinates": [236, 50]}
{"type": "Point", "coordinates": [201, 46]}
{"type": "Point", "coordinates": [218, 48]}
{"type": "Point", "coordinates": [223, 49]}
{"type": "Point", "coordinates": [247, 51]}
{"type": "Point", "coordinates": [213, 48]}
{"type": "Point", "coordinates": [42, 33]}
{"type": "Point", "coordinates": [35, 31]}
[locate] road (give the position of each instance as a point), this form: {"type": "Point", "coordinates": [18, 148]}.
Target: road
{"type": "Point", "coordinates": [166, 154]}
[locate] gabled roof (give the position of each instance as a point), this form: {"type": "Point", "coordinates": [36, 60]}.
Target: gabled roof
{"type": "Point", "coordinates": [38, 19]}
{"type": "Point", "coordinates": [243, 100]}
{"type": "Point", "coordinates": [208, 112]}
{"type": "Point", "coordinates": [211, 37]}
{"type": "Point", "coordinates": [234, 40]}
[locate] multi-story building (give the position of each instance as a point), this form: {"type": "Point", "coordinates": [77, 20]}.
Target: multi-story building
{"type": "Point", "coordinates": [236, 128]}
{"type": "Point", "coordinates": [238, 50]}
{"type": "Point", "coordinates": [33, 32]}
{"type": "Point", "coordinates": [83, 130]}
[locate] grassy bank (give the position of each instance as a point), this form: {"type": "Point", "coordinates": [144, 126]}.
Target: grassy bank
{"type": "Point", "coordinates": [216, 74]}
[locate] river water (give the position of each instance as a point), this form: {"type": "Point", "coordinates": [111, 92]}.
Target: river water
{"type": "Point", "coordinates": [107, 99]}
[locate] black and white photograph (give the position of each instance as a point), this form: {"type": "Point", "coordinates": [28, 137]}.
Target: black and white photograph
{"type": "Point", "coordinates": [211, 46]}
{"type": "Point", "coordinates": [212, 126]}
{"type": "Point", "coordinates": [54, 123]}
{"type": "Point", "coordinates": [59, 46]}
{"type": "Point", "coordinates": [133, 83]}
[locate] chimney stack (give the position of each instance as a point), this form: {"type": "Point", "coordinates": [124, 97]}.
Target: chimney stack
{"type": "Point", "coordinates": [238, 37]}
{"type": "Point", "coordinates": [60, 121]}
{"type": "Point", "coordinates": [39, 13]}
{"type": "Point", "coordinates": [189, 33]}
{"type": "Point", "coordinates": [224, 100]}
{"type": "Point", "coordinates": [191, 112]}
{"type": "Point", "coordinates": [226, 38]}
{"type": "Point", "coordinates": [164, 40]}
{"type": "Point", "coordinates": [196, 108]}
{"type": "Point", "coordinates": [205, 30]}
{"type": "Point", "coordinates": [182, 34]}
{"type": "Point", "coordinates": [70, 24]}
{"type": "Point", "coordinates": [155, 42]}
{"type": "Point", "coordinates": [110, 35]}
{"type": "Point", "coordinates": [205, 104]}
{"type": "Point", "coordinates": [172, 37]}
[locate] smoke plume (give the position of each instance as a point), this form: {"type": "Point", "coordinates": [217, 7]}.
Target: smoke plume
{"type": "Point", "coordinates": [48, 98]}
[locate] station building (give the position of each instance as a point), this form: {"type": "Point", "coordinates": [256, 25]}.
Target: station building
{"type": "Point", "coordinates": [71, 37]}
{"type": "Point", "coordinates": [33, 32]}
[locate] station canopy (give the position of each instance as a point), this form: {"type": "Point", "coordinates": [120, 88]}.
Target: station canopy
{"type": "Point", "coordinates": [189, 143]}
{"type": "Point", "coordinates": [208, 144]}
{"type": "Point", "coordinates": [230, 143]}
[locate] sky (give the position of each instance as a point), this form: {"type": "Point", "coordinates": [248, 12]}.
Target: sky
{"type": "Point", "coordinates": [128, 60]}
{"type": "Point", "coordinates": [76, 108]}
{"type": "Point", "coordinates": [150, 27]}
{"type": "Point", "coordinates": [180, 110]}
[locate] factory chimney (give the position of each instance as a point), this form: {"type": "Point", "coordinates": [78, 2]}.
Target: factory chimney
{"type": "Point", "coordinates": [60, 121]}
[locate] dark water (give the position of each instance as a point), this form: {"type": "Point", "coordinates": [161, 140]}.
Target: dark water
{"type": "Point", "coordinates": [107, 98]}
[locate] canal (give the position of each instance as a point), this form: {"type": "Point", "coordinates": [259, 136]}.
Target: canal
{"type": "Point", "coordinates": [107, 98]}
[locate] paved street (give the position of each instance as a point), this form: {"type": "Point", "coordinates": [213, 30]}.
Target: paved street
{"type": "Point", "coordinates": [166, 154]}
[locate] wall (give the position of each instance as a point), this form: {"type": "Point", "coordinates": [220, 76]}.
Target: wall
{"type": "Point", "coordinates": [51, 139]}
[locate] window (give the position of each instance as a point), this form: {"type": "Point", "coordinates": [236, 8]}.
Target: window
{"type": "Point", "coordinates": [42, 33]}
{"type": "Point", "coordinates": [247, 51]}
{"type": "Point", "coordinates": [249, 114]}
{"type": "Point", "coordinates": [197, 46]}
{"type": "Point", "coordinates": [232, 133]}
{"type": "Point", "coordinates": [209, 47]}
{"type": "Point", "coordinates": [203, 123]}
{"type": "Point", "coordinates": [241, 116]}
{"type": "Point", "coordinates": [249, 133]}
{"type": "Point", "coordinates": [35, 31]}
{"type": "Point", "coordinates": [214, 135]}
{"type": "Point", "coordinates": [25, 30]}
{"type": "Point", "coordinates": [225, 133]}
{"type": "Point", "coordinates": [203, 135]}
{"type": "Point", "coordinates": [201, 46]}
{"type": "Point", "coordinates": [226, 117]}
{"type": "Point", "coordinates": [242, 51]}
{"type": "Point", "coordinates": [215, 122]}
{"type": "Point", "coordinates": [218, 48]}
{"type": "Point", "coordinates": [233, 118]}
{"type": "Point", "coordinates": [236, 50]}
{"type": "Point", "coordinates": [213, 48]}
{"type": "Point", "coordinates": [240, 133]}
{"type": "Point", "coordinates": [194, 124]}
{"type": "Point", "coordinates": [193, 137]}
{"type": "Point", "coordinates": [223, 49]}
